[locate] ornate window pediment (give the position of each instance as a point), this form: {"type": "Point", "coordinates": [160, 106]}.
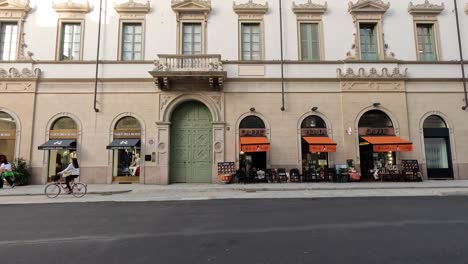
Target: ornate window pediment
{"type": "Point", "coordinates": [368, 6]}
{"type": "Point", "coordinates": [309, 8]}
{"type": "Point", "coordinates": [14, 8]}
{"type": "Point", "coordinates": [250, 8]}
{"type": "Point", "coordinates": [71, 7]}
{"type": "Point", "coordinates": [425, 8]}
{"type": "Point", "coordinates": [132, 7]}
{"type": "Point", "coordinates": [191, 6]}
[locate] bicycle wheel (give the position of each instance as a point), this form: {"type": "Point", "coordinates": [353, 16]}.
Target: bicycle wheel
{"type": "Point", "coordinates": [52, 190]}
{"type": "Point", "coordinates": [79, 190]}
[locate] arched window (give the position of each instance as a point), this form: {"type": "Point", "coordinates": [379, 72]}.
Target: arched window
{"type": "Point", "coordinates": [434, 121]}
{"type": "Point", "coordinates": [7, 122]}
{"type": "Point", "coordinates": [64, 123]}
{"type": "Point", "coordinates": [313, 121]}
{"type": "Point", "coordinates": [252, 122]}
{"type": "Point", "coordinates": [128, 122]}
{"type": "Point", "coordinates": [375, 118]}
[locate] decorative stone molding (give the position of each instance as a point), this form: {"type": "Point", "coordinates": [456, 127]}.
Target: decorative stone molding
{"type": "Point", "coordinates": [192, 9]}
{"type": "Point", "coordinates": [425, 8]}
{"type": "Point", "coordinates": [15, 74]}
{"type": "Point", "coordinates": [372, 74]}
{"type": "Point", "coordinates": [466, 9]}
{"type": "Point", "coordinates": [71, 9]}
{"type": "Point", "coordinates": [250, 8]}
{"type": "Point", "coordinates": [309, 8]}
{"type": "Point", "coordinates": [17, 10]}
{"type": "Point", "coordinates": [368, 6]}
{"type": "Point", "coordinates": [132, 7]}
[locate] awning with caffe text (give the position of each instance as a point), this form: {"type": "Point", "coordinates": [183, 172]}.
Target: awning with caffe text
{"type": "Point", "coordinates": [254, 144]}
{"type": "Point", "coordinates": [389, 143]}
{"type": "Point", "coordinates": [320, 144]}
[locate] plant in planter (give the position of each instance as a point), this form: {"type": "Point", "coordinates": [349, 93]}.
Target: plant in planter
{"type": "Point", "coordinates": [21, 171]}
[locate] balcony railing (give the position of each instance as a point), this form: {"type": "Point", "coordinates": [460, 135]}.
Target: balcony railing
{"type": "Point", "coordinates": [171, 69]}
{"type": "Point", "coordinates": [198, 63]}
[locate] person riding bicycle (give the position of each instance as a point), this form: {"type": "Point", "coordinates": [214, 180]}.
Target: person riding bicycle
{"type": "Point", "coordinates": [71, 172]}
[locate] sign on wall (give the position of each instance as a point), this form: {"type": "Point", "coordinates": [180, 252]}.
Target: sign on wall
{"type": "Point", "coordinates": [252, 132]}
{"type": "Point", "coordinates": [63, 134]}
{"type": "Point", "coordinates": [127, 133]}
{"type": "Point", "coordinates": [314, 132]}
{"type": "Point", "coordinates": [375, 131]}
{"type": "Point", "coordinates": [7, 134]}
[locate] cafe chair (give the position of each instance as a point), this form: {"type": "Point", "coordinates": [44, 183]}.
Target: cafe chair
{"type": "Point", "coordinates": [282, 176]}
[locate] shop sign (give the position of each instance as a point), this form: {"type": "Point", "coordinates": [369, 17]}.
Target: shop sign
{"type": "Point", "coordinates": [322, 148]}
{"type": "Point", "coordinates": [226, 168]}
{"type": "Point", "coordinates": [7, 134]}
{"type": "Point", "coordinates": [256, 148]}
{"type": "Point", "coordinates": [375, 131]}
{"type": "Point", "coordinates": [314, 132]}
{"type": "Point", "coordinates": [63, 134]}
{"type": "Point", "coordinates": [395, 148]}
{"type": "Point", "coordinates": [127, 133]}
{"type": "Point", "coordinates": [252, 132]}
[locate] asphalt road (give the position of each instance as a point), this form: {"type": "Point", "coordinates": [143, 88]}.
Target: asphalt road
{"type": "Point", "coordinates": [352, 230]}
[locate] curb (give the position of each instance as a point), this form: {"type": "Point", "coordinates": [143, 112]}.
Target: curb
{"type": "Point", "coordinates": [41, 194]}
{"type": "Point", "coordinates": [349, 188]}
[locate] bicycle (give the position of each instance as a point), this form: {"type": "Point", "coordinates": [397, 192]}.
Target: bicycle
{"type": "Point", "coordinates": [54, 188]}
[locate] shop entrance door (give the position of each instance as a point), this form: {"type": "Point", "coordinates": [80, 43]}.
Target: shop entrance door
{"type": "Point", "coordinates": [191, 157]}
{"type": "Point", "coordinates": [438, 154]}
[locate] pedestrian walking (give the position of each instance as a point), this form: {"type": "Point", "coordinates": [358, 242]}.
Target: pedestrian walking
{"type": "Point", "coordinates": [6, 172]}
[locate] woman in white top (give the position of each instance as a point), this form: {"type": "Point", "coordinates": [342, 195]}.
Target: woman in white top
{"type": "Point", "coordinates": [74, 168]}
{"type": "Point", "coordinates": [5, 167]}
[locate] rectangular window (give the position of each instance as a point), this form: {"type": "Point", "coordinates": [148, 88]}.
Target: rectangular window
{"type": "Point", "coordinates": [250, 41]}
{"type": "Point", "coordinates": [310, 44]}
{"type": "Point", "coordinates": [368, 41]}
{"type": "Point", "coordinates": [70, 41]}
{"type": "Point", "coordinates": [426, 42]}
{"type": "Point", "coordinates": [8, 41]}
{"type": "Point", "coordinates": [191, 39]}
{"type": "Point", "coordinates": [131, 41]}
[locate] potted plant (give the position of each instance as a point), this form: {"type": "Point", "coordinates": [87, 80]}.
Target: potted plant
{"type": "Point", "coordinates": [21, 171]}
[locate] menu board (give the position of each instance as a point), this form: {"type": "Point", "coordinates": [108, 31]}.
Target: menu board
{"type": "Point", "coordinates": [226, 168]}
{"type": "Point", "coordinates": [410, 165]}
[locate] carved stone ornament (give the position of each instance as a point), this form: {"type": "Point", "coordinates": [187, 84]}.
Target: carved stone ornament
{"type": "Point", "coordinates": [25, 73]}
{"type": "Point", "coordinates": [372, 74]}
{"type": "Point", "coordinates": [71, 7]}
{"type": "Point", "coordinates": [309, 8]}
{"type": "Point", "coordinates": [250, 8]}
{"type": "Point", "coordinates": [15, 6]}
{"type": "Point", "coordinates": [425, 8]}
{"type": "Point", "coordinates": [466, 9]}
{"type": "Point", "coordinates": [132, 7]}
{"type": "Point", "coordinates": [191, 5]}
{"type": "Point", "coordinates": [368, 6]}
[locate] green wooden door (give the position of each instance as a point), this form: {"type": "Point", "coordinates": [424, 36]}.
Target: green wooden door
{"type": "Point", "coordinates": [191, 157]}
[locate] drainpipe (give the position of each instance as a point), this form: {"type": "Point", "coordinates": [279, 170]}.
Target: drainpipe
{"type": "Point", "coordinates": [282, 62]}
{"type": "Point", "coordinates": [97, 57]}
{"type": "Point", "coordinates": [462, 63]}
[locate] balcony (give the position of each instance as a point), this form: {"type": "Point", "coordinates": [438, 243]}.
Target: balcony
{"type": "Point", "coordinates": [189, 70]}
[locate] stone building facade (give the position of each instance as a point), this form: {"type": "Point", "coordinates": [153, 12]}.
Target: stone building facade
{"type": "Point", "coordinates": [181, 85]}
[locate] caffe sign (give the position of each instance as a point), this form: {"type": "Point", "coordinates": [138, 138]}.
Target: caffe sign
{"type": "Point", "coordinates": [7, 134]}
{"type": "Point", "coordinates": [252, 132]}
{"type": "Point", "coordinates": [314, 132]}
{"type": "Point", "coordinates": [63, 134]}
{"type": "Point", "coordinates": [375, 131]}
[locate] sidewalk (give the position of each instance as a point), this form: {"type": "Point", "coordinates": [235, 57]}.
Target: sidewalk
{"type": "Point", "coordinates": [140, 192]}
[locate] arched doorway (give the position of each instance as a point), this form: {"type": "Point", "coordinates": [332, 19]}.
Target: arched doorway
{"type": "Point", "coordinates": [126, 147]}
{"type": "Point", "coordinates": [254, 144]}
{"type": "Point", "coordinates": [378, 144]}
{"type": "Point", "coordinates": [190, 143]}
{"type": "Point", "coordinates": [61, 146]}
{"type": "Point", "coordinates": [437, 148]}
{"type": "Point", "coordinates": [7, 136]}
{"type": "Point", "coordinates": [315, 146]}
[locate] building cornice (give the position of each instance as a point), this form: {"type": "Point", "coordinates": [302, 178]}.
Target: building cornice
{"type": "Point", "coordinates": [71, 7]}
{"type": "Point", "coordinates": [372, 74]}
{"type": "Point", "coordinates": [368, 6]}
{"type": "Point", "coordinates": [425, 8]}
{"type": "Point", "coordinates": [132, 7]}
{"type": "Point", "coordinates": [250, 8]}
{"type": "Point", "coordinates": [309, 8]}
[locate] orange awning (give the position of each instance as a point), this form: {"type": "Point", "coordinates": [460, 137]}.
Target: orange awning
{"type": "Point", "coordinates": [320, 144]}
{"type": "Point", "coordinates": [254, 144]}
{"type": "Point", "coordinates": [389, 143]}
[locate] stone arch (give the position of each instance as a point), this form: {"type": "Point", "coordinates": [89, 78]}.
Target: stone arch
{"type": "Point", "coordinates": [299, 136]}
{"type": "Point", "coordinates": [178, 100]}
{"type": "Point", "coordinates": [396, 126]}
{"type": "Point", "coordinates": [268, 134]}
{"type": "Point", "coordinates": [18, 129]}
{"type": "Point", "coordinates": [450, 126]}
{"type": "Point", "coordinates": [142, 123]}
